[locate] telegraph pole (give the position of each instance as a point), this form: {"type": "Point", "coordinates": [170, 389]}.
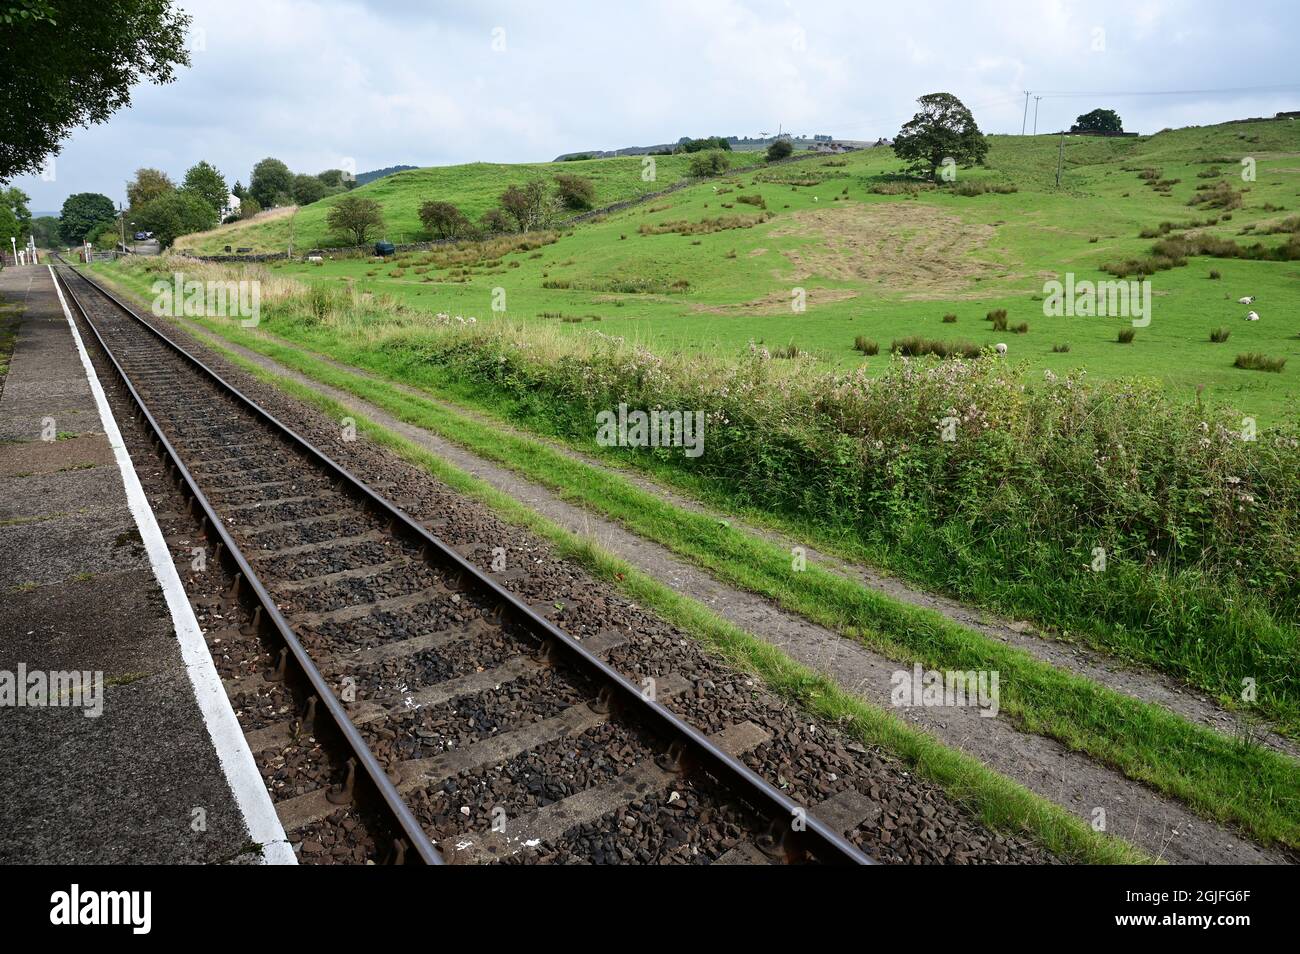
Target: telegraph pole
{"type": "Point", "coordinates": [1025, 118]}
{"type": "Point", "coordinates": [1060, 156]}
{"type": "Point", "coordinates": [1036, 99]}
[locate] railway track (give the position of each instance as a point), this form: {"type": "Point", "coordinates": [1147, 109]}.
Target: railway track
{"type": "Point", "coordinates": [379, 665]}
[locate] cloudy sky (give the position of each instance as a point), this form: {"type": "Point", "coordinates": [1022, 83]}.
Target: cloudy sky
{"type": "Point", "coordinates": [329, 83]}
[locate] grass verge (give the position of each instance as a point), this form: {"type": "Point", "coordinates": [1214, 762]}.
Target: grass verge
{"type": "Point", "coordinates": [996, 800]}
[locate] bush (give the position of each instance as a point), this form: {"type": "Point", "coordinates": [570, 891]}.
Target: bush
{"type": "Point", "coordinates": [444, 220]}
{"type": "Point", "coordinates": [970, 187]}
{"type": "Point", "coordinates": [781, 149]}
{"type": "Point", "coordinates": [575, 192]}
{"type": "Point", "coordinates": [704, 165]}
{"type": "Point", "coordinates": [1254, 361]}
{"type": "Point", "coordinates": [950, 319]}
{"type": "Point", "coordinates": [1215, 275]}
{"type": "Point", "coordinates": [1219, 335]}
{"type": "Point", "coordinates": [356, 218]}
{"type": "Point", "coordinates": [1020, 329]}
{"type": "Point", "coordinates": [1126, 335]}
{"type": "Point", "coordinates": [1062, 348]}
{"type": "Point", "coordinates": [865, 345]}
{"type": "Point", "coordinates": [915, 346]}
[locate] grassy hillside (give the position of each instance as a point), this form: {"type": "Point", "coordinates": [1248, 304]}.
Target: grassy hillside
{"type": "Point", "coordinates": [475, 188]}
{"type": "Point", "coordinates": [884, 267]}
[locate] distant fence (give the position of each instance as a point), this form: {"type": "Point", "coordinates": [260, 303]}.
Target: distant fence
{"type": "Point", "coordinates": [347, 251]}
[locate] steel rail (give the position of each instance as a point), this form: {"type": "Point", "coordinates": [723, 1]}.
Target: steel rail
{"type": "Point", "coordinates": [228, 549]}
{"type": "Point", "coordinates": [795, 831]}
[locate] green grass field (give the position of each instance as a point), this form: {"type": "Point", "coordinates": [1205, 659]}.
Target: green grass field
{"type": "Point", "coordinates": [886, 266]}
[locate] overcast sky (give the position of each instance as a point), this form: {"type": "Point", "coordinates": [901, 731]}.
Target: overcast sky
{"type": "Point", "coordinates": [326, 83]}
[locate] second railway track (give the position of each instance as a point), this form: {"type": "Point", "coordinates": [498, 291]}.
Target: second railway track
{"type": "Point", "coordinates": [395, 665]}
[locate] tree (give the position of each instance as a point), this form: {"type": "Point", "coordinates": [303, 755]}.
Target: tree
{"type": "Point", "coordinates": [68, 63]}
{"type": "Point", "coordinates": [356, 217]}
{"type": "Point", "coordinates": [337, 178]}
{"type": "Point", "coordinates": [148, 184]}
{"type": "Point", "coordinates": [445, 220]}
{"type": "Point", "coordinates": [780, 149]}
{"type": "Point", "coordinates": [494, 222]}
{"type": "Point", "coordinates": [706, 164]}
{"type": "Point", "coordinates": [528, 205]}
{"type": "Point", "coordinates": [942, 129]}
{"type": "Point", "coordinates": [204, 180]}
{"type": "Point", "coordinates": [45, 229]}
{"type": "Point", "coordinates": [271, 180]}
{"type": "Point", "coordinates": [686, 144]}
{"type": "Point", "coordinates": [15, 200]}
{"type": "Point", "coordinates": [174, 214]}
{"type": "Point", "coordinates": [308, 189]}
{"type": "Point", "coordinates": [249, 207]}
{"type": "Point", "coordinates": [9, 228]}
{"type": "Point", "coordinates": [1099, 120]}
{"type": "Point", "coordinates": [82, 213]}
{"type": "Point", "coordinates": [238, 191]}
{"type": "Point", "coordinates": [575, 192]}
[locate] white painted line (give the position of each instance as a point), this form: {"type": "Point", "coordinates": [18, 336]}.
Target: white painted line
{"type": "Point", "coordinates": [228, 739]}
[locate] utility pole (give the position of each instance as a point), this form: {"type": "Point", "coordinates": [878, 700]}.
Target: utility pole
{"type": "Point", "coordinates": [121, 214]}
{"type": "Point", "coordinates": [1025, 118]}
{"type": "Point", "coordinates": [1060, 156]}
{"type": "Point", "coordinates": [1036, 99]}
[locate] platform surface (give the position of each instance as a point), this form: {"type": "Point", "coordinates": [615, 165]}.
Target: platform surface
{"type": "Point", "coordinates": [140, 782]}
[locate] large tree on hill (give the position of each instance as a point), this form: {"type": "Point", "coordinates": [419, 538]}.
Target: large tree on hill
{"type": "Point", "coordinates": [148, 184]}
{"type": "Point", "coordinates": [204, 180]}
{"type": "Point", "coordinates": [356, 217]}
{"type": "Point", "coordinates": [943, 128]}
{"type": "Point", "coordinates": [271, 181]}
{"type": "Point", "coordinates": [69, 63]}
{"type": "Point", "coordinates": [1099, 120]}
{"type": "Point", "coordinates": [83, 213]}
{"type": "Point", "coordinates": [176, 213]}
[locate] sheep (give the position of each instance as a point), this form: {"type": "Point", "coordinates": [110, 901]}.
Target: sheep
{"type": "Point", "coordinates": [1248, 300]}
{"type": "Point", "coordinates": [1000, 348]}
{"type": "Point", "coordinates": [314, 258]}
{"type": "Point", "coordinates": [1252, 316]}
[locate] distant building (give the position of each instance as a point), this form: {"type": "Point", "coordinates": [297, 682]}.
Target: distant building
{"type": "Point", "coordinates": [231, 207]}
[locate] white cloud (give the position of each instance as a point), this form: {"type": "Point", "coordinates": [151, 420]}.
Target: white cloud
{"type": "Point", "coordinates": [314, 81]}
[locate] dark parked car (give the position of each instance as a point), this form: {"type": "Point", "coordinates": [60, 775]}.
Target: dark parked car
{"type": "Point", "coordinates": [385, 248]}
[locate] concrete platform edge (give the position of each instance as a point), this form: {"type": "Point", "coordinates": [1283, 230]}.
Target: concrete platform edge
{"type": "Point", "coordinates": [232, 749]}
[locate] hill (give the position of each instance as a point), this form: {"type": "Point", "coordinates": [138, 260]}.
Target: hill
{"type": "Point", "coordinates": [474, 188]}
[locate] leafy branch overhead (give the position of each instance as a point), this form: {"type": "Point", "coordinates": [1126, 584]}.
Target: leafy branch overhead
{"type": "Point", "coordinates": [69, 63]}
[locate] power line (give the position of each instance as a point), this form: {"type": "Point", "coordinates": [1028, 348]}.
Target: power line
{"type": "Point", "coordinates": [1059, 94]}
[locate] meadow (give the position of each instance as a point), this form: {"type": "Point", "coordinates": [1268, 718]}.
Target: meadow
{"type": "Point", "coordinates": [700, 271]}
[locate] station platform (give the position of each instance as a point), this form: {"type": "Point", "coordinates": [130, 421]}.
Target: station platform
{"type": "Point", "coordinates": [119, 745]}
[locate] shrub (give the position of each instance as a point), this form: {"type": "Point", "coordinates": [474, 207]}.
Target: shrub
{"type": "Point", "coordinates": [995, 314]}
{"type": "Point", "coordinates": [865, 345]}
{"type": "Point", "coordinates": [1021, 328]}
{"type": "Point", "coordinates": [705, 165]}
{"type": "Point", "coordinates": [755, 200]}
{"type": "Point", "coordinates": [999, 319]}
{"type": "Point", "coordinates": [1254, 361]}
{"type": "Point", "coordinates": [575, 192]}
{"type": "Point", "coordinates": [915, 346]}
{"type": "Point", "coordinates": [950, 319]}
{"type": "Point", "coordinates": [781, 149]}
{"type": "Point", "coordinates": [444, 220]}
{"type": "Point", "coordinates": [969, 187]}
{"type": "Point", "coordinates": [1215, 275]}
{"type": "Point", "coordinates": [1061, 348]}
{"type": "Point", "coordinates": [1219, 335]}
{"type": "Point", "coordinates": [1126, 335]}
{"type": "Point", "coordinates": [356, 218]}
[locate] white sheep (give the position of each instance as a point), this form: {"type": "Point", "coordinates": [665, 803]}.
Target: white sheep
{"type": "Point", "coordinates": [1000, 348]}
{"type": "Point", "coordinates": [1248, 300]}
{"type": "Point", "coordinates": [314, 259]}
{"type": "Point", "coordinates": [1252, 316]}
